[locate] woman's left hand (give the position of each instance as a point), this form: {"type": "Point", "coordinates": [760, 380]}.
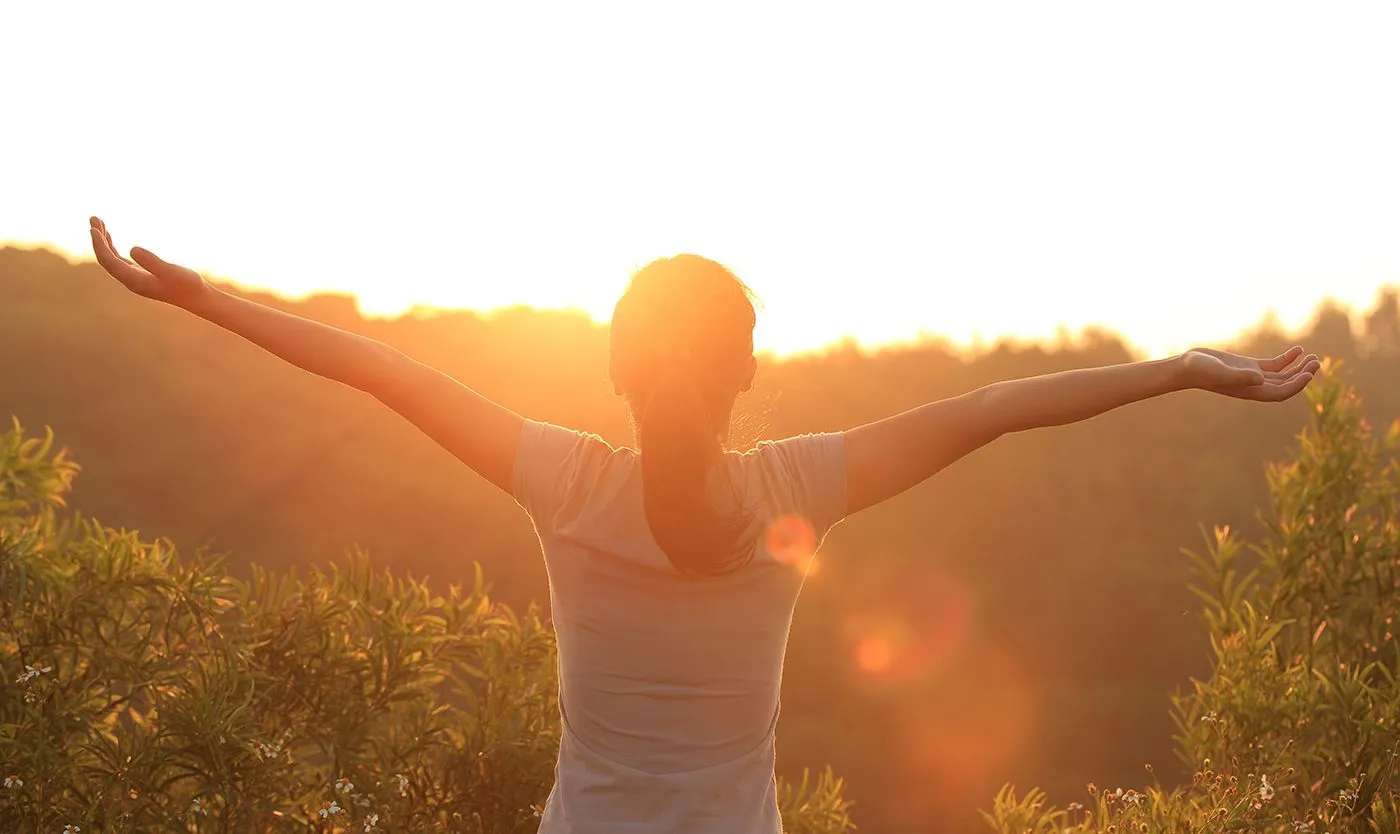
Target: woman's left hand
{"type": "Point", "coordinates": [1265, 380]}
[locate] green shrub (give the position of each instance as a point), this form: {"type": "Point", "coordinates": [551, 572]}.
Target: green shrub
{"type": "Point", "coordinates": [1295, 730]}
{"type": "Point", "coordinates": [148, 691]}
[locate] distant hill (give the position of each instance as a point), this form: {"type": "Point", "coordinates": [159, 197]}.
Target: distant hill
{"type": "Point", "coordinates": [1025, 612]}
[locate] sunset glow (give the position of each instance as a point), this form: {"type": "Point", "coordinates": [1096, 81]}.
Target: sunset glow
{"type": "Point", "coordinates": [941, 555]}
{"type": "Point", "coordinates": [965, 170]}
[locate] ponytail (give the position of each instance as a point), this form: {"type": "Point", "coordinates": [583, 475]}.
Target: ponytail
{"type": "Point", "coordinates": [679, 445]}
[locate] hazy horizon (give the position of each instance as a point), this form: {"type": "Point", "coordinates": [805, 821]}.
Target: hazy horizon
{"type": "Point", "coordinates": [969, 348]}
{"type": "Point", "coordinates": [1171, 173]}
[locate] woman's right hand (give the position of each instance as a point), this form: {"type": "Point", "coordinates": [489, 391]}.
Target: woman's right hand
{"type": "Point", "coordinates": [145, 274]}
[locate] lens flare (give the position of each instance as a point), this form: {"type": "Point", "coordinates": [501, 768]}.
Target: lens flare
{"type": "Point", "coordinates": [874, 655]}
{"type": "Point", "coordinates": [961, 736]}
{"type": "Point", "coordinates": [912, 634]}
{"type": "Point", "coordinates": [997, 722]}
{"type": "Point", "coordinates": [792, 541]}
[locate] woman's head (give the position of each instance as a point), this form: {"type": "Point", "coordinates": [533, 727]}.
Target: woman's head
{"type": "Point", "coordinates": [682, 351]}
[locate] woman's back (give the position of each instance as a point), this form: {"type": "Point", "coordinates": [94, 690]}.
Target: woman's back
{"type": "Point", "coordinates": [669, 683]}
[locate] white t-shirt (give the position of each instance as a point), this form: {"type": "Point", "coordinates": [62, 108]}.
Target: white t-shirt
{"type": "Point", "coordinates": [668, 683]}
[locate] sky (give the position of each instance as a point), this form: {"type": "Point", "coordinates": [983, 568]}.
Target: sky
{"type": "Point", "coordinates": [1170, 171]}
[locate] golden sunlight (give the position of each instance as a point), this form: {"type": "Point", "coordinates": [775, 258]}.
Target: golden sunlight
{"type": "Point", "coordinates": [526, 606]}
{"type": "Point", "coordinates": [467, 165]}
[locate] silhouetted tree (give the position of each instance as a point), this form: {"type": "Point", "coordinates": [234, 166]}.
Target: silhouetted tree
{"type": "Point", "coordinates": [1331, 332]}
{"type": "Point", "coordinates": [1383, 324]}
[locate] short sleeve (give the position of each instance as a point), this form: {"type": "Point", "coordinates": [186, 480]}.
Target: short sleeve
{"type": "Point", "coordinates": [552, 464]}
{"type": "Point", "coordinates": [807, 475]}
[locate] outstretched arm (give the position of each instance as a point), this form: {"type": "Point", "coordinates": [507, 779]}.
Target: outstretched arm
{"type": "Point", "coordinates": [479, 432]}
{"type": "Point", "coordinates": [889, 456]}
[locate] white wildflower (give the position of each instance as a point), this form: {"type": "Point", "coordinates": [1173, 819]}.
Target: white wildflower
{"type": "Point", "coordinates": [329, 810]}
{"type": "Point", "coordinates": [14, 782]}
{"type": "Point", "coordinates": [1266, 791]}
{"type": "Point", "coordinates": [403, 783]}
{"type": "Point", "coordinates": [198, 807]}
{"type": "Point", "coordinates": [32, 672]}
{"type": "Point", "coordinates": [371, 822]}
{"type": "Point", "coordinates": [343, 785]}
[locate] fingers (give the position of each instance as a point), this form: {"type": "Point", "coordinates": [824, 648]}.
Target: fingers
{"type": "Point", "coordinates": [171, 274]}
{"type": "Point", "coordinates": [1282, 361]}
{"type": "Point", "coordinates": [99, 230]}
{"type": "Point", "coordinates": [129, 274]}
{"type": "Point", "coordinates": [1308, 364]}
{"type": "Point", "coordinates": [97, 227]}
{"type": "Point", "coordinates": [102, 248]}
{"type": "Point", "coordinates": [1278, 391]}
{"type": "Point", "coordinates": [1277, 386]}
{"type": "Point", "coordinates": [1285, 390]}
{"type": "Point", "coordinates": [1246, 377]}
{"type": "Point", "coordinates": [148, 259]}
{"type": "Point", "coordinates": [161, 268]}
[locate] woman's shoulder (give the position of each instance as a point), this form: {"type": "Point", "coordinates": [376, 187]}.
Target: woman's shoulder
{"type": "Point", "coordinates": [794, 450]}
{"type": "Point", "coordinates": [803, 474]}
{"type": "Point", "coordinates": [552, 462]}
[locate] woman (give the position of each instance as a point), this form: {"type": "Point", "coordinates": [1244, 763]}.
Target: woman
{"type": "Point", "coordinates": [671, 595]}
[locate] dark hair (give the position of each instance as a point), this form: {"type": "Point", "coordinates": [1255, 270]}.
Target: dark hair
{"type": "Point", "coordinates": [682, 348]}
